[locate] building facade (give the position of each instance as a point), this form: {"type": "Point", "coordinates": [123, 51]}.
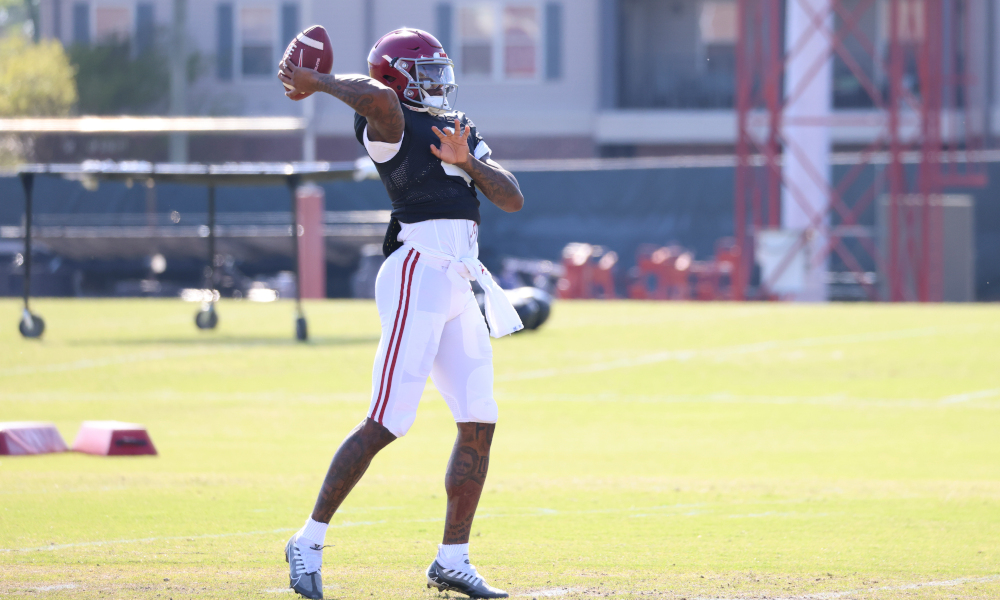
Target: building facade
{"type": "Point", "coordinates": [541, 78]}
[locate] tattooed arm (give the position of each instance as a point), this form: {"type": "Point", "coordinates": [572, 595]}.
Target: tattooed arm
{"type": "Point", "coordinates": [497, 184]}
{"type": "Point", "coordinates": [366, 96]}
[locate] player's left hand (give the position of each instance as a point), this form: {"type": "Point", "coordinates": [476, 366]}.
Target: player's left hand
{"type": "Point", "coordinates": [302, 79]}
{"type": "Point", "coordinates": [454, 145]}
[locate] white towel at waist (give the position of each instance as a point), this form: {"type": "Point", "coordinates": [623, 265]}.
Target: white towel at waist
{"type": "Point", "coordinates": [500, 313]}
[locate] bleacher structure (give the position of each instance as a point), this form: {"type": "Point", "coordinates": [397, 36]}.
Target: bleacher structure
{"type": "Point", "coordinates": [267, 233]}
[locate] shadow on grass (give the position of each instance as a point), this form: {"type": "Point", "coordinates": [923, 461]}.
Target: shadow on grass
{"type": "Point", "coordinates": [229, 341]}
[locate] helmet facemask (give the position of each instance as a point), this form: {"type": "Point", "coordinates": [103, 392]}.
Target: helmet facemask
{"type": "Point", "coordinates": [430, 83]}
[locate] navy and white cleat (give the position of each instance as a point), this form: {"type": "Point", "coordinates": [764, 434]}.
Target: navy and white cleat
{"type": "Point", "coordinates": [304, 564]}
{"type": "Point", "coordinates": [467, 581]}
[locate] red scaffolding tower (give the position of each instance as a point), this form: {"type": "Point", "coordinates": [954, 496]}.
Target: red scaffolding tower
{"type": "Point", "coordinates": [921, 101]}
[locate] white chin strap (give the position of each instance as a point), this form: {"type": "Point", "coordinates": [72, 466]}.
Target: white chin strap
{"type": "Point", "coordinates": [433, 104]}
{"type": "Point", "coordinates": [434, 101]}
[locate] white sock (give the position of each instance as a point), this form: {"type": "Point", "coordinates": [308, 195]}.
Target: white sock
{"type": "Point", "coordinates": [453, 556]}
{"type": "Point", "coordinates": [314, 531]}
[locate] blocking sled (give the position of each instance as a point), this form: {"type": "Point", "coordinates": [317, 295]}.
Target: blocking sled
{"type": "Point", "coordinates": [113, 438]}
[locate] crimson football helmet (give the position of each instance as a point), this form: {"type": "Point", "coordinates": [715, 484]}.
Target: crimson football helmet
{"type": "Point", "coordinates": [414, 64]}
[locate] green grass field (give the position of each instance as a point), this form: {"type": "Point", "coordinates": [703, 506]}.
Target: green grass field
{"type": "Point", "coordinates": [644, 450]}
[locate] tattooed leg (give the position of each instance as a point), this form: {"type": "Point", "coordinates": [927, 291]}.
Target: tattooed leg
{"type": "Point", "coordinates": [470, 459]}
{"type": "Point", "coordinates": [349, 464]}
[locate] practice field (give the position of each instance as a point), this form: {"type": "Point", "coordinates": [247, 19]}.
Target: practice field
{"type": "Point", "coordinates": [644, 450]}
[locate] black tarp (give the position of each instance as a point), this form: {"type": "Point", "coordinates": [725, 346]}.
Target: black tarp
{"type": "Point", "coordinates": [619, 209]}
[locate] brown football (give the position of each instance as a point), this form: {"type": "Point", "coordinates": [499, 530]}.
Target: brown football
{"type": "Point", "coordinates": [310, 49]}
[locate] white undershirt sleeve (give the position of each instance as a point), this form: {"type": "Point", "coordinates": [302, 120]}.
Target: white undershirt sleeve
{"type": "Point", "coordinates": [483, 151]}
{"type": "Point", "coordinates": [381, 151]}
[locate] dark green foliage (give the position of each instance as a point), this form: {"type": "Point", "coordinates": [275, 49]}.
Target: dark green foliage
{"type": "Point", "coordinates": [111, 79]}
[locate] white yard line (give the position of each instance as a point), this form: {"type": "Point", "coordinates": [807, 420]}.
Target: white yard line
{"type": "Point", "coordinates": [980, 395]}
{"type": "Point", "coordinates": [658, 318]}
{"type": "Point", "coordinates": [52, 588]}
{"type": "Point", "coordinates": [564, 591]}
{"type": "Point", "coordinates": [271, 396]}
{"type": "Point", "coordinates": [680, 510]}
{"type": "Point", "coordinates": [93, 363]}
{"type": "Point", "coordinates": [549, 593]}
{"type": "Point", "coordinates": [853, 593]}
{"type": "Point", "coordinates": [728, 351]}
{"type": "Point", "coordinates": [175, 537]}
{"type": "Point", "coordinates": [832, 400]}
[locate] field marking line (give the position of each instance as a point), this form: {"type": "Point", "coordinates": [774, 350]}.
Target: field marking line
{"type": "Point", "coordinates": [75, 396]}
{"type": "Point", "coordinates": [121, 359]}
{"type": "Point", "coordinates": [830, 400]}
{"type": "Point", "coordinates": [980, 395]}
{"type": "Point", "coordinates": [727, 351]}
{"type": "Point", "coordinates": [537, 512]}
{"type": "Point", "coordinates": [886, 588]}
{"type": "Point", "coordinates": [52, 588]}
{"type": "Point", "coordinates": [178, 537]}
{"type": "Point", "coordinates": [646, 320]}
{"type": "Point", "coordinates": [548, 593]}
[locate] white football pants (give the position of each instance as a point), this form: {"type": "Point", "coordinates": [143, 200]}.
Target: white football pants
{"type": "Point", "coordinates": [431, 325]}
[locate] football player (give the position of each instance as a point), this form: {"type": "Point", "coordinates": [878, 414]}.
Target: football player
{"type": "Point", "coordinates": [432, 160]}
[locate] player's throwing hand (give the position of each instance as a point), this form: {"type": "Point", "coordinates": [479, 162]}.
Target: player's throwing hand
{"type": "Point", "coordinates": [454, 144]}
{"type": "Point", "coordinates": [303, 80]}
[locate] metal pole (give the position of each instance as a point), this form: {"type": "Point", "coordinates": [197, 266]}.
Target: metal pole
{"type": "Point", "coordinates": [207, 317]}
{"type": "Point", "coordinates": [178, 150]}
{"type": "Point", "coordinates": [934, 72]}
{"type": "Point", "coordinates": [742, 151]}
{"type": "Point", "coordinates": [31, 326]}
{"type": "Point", "coordinates": [774, 65]}
{"type": "Point", "coordinates": [301, 331]}
{"type": "Point", "coordinates": [211, 239]}
{"type": "Point", "coordinates": [28, 182]}
{"type": "Point", "coordinates": [896, 174]}
{"type": "Point", "coordinates": [293, 184]}
{"type": "Point", "coordinates": [309, 104]}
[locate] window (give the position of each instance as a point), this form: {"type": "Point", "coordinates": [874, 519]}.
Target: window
{"type": "Point", "coordinates": [112, 24]}
{"type": "Point", "coordinates": [444, 20]}
{"type": "Point", "coordinates": [81, 23]}
{"type": "Point", "coordinates": [520, 40]}
{"type": "Point", "coordinates": [717, 25]}
{"type": "Point", "coordinates": [909, 20]}
{"type": "Point", "coordinates": [676, 55]}
{"type": "Point", "coordinates": [145, 26]}
{"type": "Point", "coordinates": [224, 41]}
{"type": "Point", "coordinates": [718, 22]}
{"type": "Point", "coordinates": [57, 19]}
{"type": "Point", "coordinates": [503, 40]}
{"type": "Point", "coordinates": [257, 40]}
{"type": "Point", "coordinates": [553, 40]}
{"type": "Point", "coordinates": [289, 21]}
{"type": "Point", "coordinates": [476, 32]}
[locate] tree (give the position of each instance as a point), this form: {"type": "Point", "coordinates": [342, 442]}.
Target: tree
{"type": "Point", "coordinates": [36, 80]}
{"type": "Point", "coordinates": [113, 80]}
{"type": "Point", "coordinates": [19, 16]}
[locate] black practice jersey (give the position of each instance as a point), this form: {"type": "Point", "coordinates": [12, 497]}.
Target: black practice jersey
{"type": "Point", "coordinates": [416, 180]}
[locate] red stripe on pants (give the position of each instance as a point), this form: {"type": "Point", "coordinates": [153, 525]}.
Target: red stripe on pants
{"type": "Point", "coordinates": [388, 348]}
{"type": "Point", "coordinates": [402, 326]}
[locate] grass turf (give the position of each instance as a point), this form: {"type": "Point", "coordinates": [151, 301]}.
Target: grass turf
{"type": "Point", "coordinates": [644, 450]}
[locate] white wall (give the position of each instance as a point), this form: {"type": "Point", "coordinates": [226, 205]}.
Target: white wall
{"type": "Point", "coordinates": [566, 106]}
